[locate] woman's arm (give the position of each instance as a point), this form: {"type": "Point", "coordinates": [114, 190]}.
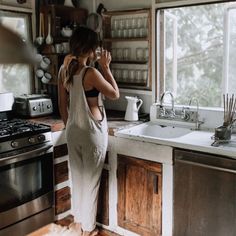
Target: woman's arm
{"type": "Point", "coordinates": [62, 99]}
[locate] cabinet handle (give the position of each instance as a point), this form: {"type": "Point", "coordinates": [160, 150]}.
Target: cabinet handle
{"type": "Point", "coordinates": [155, 184]}
{"type": "Point", "coordinates": [206, 166]}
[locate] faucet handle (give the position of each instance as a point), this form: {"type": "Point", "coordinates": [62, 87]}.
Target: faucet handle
{"type": "Point", "coordinates": [185, 114]}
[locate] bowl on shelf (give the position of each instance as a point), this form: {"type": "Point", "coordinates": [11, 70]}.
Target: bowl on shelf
{"type": "Point", "coordinates": [66, 32]}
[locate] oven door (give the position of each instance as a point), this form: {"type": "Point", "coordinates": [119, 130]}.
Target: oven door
{"type": "Point", "coordinates": [26, 184]}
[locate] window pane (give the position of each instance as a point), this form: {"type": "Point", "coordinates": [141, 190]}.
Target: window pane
{"type": "Point", "coordinates": [232, 52]}
{"type": "Point", "coordinates": [16, 78]}
{"type": "Point", "coordinates": [200, 53]}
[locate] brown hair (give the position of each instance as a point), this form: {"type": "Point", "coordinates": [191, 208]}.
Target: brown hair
{"type": "Point", "coordinates": [82, 42]}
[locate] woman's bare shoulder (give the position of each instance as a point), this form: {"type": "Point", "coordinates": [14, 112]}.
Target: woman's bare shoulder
{"type": "Point", "coordinates": [93, 73]}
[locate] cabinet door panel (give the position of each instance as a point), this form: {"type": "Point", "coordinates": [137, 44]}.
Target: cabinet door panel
{"type": "Point", "coordinates": [139, 195]}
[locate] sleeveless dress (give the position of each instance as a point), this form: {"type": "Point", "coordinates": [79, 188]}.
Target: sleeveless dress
{"type": "Point", "coordinates": [87, 140]}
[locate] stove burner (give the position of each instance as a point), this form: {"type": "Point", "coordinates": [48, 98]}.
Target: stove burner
{"type": "Point", "coordinates": [11, 128]}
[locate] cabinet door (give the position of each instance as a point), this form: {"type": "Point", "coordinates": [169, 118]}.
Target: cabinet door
{"type": "Point", "coordinates": [139, 195]}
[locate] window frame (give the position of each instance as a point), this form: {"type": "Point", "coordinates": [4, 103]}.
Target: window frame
{"type": "Point", "coordinates": [158, 6]}
{"type": "Point", "coordinates": [28, 14]}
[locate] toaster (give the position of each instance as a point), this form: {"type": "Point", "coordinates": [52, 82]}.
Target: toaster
{"type": "Point", "coordinates": [33, 105]}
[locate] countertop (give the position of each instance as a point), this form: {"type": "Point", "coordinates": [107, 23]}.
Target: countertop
{"type": "Point", "coordinates": [115, 121]}
{"type": "Point", "coordinates": [195, 141]}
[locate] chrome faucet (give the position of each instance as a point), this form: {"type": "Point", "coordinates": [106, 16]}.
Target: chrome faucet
{"type": "Point", "coordinates": [197, 121]}
{"type": "Point", "coordinates": [172, 103]}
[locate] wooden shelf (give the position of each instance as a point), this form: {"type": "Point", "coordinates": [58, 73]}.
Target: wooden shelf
{"type": "Point", "coordinates": [133, 86]}
{"type": "Point", "coordinates": [125, 39]}
{"type": "Point", "coordinates": [129, 62]}
{"type": "Point", "coordinates": [132, 43]}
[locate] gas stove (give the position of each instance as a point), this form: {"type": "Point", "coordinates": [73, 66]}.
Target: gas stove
{"type": "Point", "coordinates": [17, 128]}
{"type": "Point", "coordinates": [26, 173]}
{"type": "Point", "coordinates": [19, 133]}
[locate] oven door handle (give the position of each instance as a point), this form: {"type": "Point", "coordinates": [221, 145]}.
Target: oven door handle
{"type": "Point", "coordinates": [47, 148]}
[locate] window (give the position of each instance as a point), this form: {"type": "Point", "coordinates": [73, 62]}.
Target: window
{"type": "Point", "coordinates": [198, 56]}
{"type": "Point", "coordinates": [16, 78]}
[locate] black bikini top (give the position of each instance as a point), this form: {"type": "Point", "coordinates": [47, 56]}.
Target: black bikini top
{"type": "Point", "coordinates": [92, 92]}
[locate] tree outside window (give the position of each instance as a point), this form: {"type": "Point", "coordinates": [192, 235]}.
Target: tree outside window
{"type": "Point", "coordinates": [200, 52]}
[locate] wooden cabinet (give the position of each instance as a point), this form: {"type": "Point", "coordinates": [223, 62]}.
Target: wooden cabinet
{"type": "Point", "coordinates": [61, 16]}
{"type": "Point", "coordinates": [52, 19]}
{"type": "Point", "coordinates": [127, 34]}
{"type": "Point", "coordinates": [139, 195]}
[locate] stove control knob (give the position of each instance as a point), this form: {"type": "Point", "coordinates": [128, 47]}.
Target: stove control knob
{"type": "Point", "coordinates": [14, 144]}
{"type": "Point", "coordinates": [41, 138]}
{"type": "Point", "coordinates": [31, 140]}
{"type": "Point", "coordinates": [34, 108]}
{"type": "Point", "coordinates": [49, 106]}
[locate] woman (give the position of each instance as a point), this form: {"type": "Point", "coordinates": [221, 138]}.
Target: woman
{"type": "Point", "coordinates": [86, 126]}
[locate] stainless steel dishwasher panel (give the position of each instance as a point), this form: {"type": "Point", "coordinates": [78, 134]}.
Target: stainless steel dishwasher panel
{"type": "Point", "coordinates": [204, 194]}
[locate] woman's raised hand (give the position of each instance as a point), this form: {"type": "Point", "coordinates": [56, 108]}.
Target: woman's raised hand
{"type": "Point", "coordinates": [105, 58]}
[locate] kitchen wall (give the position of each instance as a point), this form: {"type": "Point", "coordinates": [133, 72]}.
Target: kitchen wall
{"type": "Point", "coordinates": [146, 96]}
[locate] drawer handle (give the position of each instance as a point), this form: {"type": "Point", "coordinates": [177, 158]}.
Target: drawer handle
{"type": "Point", "coordinates": [206, 166]}
{"type": "Point", "coordinates": [155, 183]}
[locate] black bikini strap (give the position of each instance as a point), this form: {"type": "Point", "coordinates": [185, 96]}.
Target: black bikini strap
{"type": "Point", "coordinates": [86, 69]}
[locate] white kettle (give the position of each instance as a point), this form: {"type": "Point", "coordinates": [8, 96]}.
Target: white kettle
{"type": "Point", "coordinates": [132, 109]}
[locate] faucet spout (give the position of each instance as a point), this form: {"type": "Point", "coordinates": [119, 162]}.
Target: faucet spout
{"type": "Point", "coordinates": [197, 121]}
{"type": "Point", "coordinates": [172, 99]}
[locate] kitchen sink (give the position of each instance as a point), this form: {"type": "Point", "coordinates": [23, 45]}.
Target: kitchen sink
{"type": "Point", "coordinates": [153, 130]}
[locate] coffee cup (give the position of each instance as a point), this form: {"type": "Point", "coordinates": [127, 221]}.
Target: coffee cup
{"type": "Point", "coordinates": [39, 58]}
{"type": "Point", "coordinates": [39, 73]}
{"type": "Point", "coordinates": [46, 78]}
{"type": "Point", "coordinates": [66, 47]}
{"type": "Point", "coordinates": [45, 62]}
{"type": "Point", "coordinates": [59, 48]}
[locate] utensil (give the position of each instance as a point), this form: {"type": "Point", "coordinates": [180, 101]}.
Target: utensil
{"type": "Point", "coordinates": [229, 109]}
{"type": "Point", "coordinates": [40, 38]}
{"type": "Point", "coordinates": [49, 39]}
{"type": "Point", "coordinates": [94, 22]}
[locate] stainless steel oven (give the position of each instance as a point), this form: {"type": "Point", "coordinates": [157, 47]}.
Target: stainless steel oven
{"type": "Point", "coordinates": [26, 177]}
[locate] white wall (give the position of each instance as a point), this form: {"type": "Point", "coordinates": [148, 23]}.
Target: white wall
{"type": "Point", "coordinates": [147, 97]}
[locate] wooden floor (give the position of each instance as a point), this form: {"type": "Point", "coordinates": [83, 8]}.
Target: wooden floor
{"type": "Point", "coordinates": [69, 219]}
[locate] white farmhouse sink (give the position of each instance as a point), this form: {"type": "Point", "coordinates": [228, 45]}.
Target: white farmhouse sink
{"type": "Point", "coordinates": [153, 130]}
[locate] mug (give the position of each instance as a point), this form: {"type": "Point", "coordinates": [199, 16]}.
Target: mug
{"type": "Point", "coordinates": [39, 73]}
{"type": "Point", "coordinates": [59, 48]}
{"type": "Point", "coordinates": [131, 75]}
{"type": "Point", "coordinates": [139, 54]}
{"type": "Point", "coordinates": [98, 53]}
{"type": "Point", "coordinates": [39, 58]}
{"type": "Point", "coordinates": [126, 54]}
{"type": "Point", "coordinates": [46, 78]}
{"type": "Point", "coordinates": [125, 75]}
{"type": "Point", "coordinates": [66, 47]}
{"type": "Point", "coordinates": [119, 54]}
{"type": "Point", "coordinates": [44, 64]}
{"type": "Point", "coordinates": [113, 53]}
